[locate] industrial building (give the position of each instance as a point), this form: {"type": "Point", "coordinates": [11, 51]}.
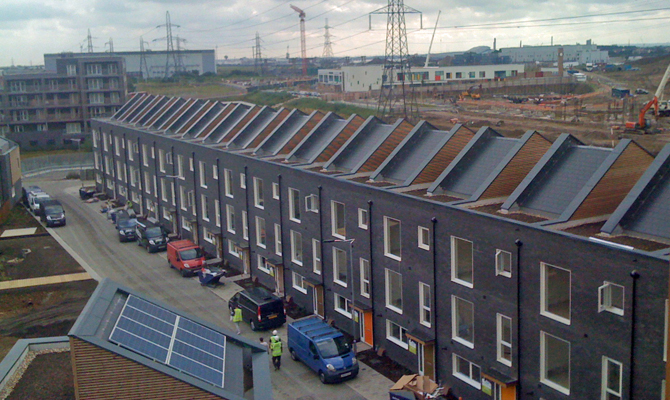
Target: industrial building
{"type": "Point", "coordinates": [578, 53]}
{"type": "Point", "coordinates": [499, 266]}
{"type": "Point", "coordinates": [369, 77]}
{"type": "Point", "coordinates": [53, 108]}
{"type": "Point", "coordinates": [10, 176]}
{"type": "Point", "coordinates": [151, 63]}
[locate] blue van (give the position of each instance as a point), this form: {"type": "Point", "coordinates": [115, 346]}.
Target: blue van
{"type": "Point", "coordinates": [322, 348]}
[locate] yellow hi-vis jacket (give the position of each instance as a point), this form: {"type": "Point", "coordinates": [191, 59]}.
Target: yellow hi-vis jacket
{"type": "Point", "coordinates": [276, 349]}
{"type": "Point", "coordinates": [237, 316]}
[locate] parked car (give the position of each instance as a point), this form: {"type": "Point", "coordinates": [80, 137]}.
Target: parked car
{"type": "Point", "coordinates": [322, 348]}
{"type": "Point", "coordinates": [25, 191]}
{"type": "Point", "coordinates": [52, 213]}
{"type": "Point", "coordinates": [186, 256]}
{"type": "Point", "coordinates": [261, 308]}
{"type": "Point", "coordinates": [126, 227]}
{"type": "Point", "coordinates": [151, 235]}
{"type": "Point", "coordinates": [34, 199]}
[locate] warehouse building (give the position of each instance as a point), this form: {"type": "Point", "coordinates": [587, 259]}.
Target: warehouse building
{"type": "Point", "coordinates": [499, 266]}
{"type": "Point", "coordinates": [578, 53]}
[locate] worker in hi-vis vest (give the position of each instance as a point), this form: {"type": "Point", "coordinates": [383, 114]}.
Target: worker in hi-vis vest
{"type": "Point", "coordinates": [237, 318]}
{"type": "Point", "coordinates": [276, 349]}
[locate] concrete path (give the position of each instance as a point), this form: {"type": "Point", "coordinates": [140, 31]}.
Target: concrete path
{"type": "Point", "coordinates": [45, 280]}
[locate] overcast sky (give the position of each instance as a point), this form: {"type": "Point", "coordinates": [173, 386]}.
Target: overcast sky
{"type": "Point", "coordinates": [30, 28]}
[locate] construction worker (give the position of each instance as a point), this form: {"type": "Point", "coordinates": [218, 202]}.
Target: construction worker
{"type": "Point", "coordinates": [275, 337]}
{"type": "Point", "coordinates": [237, 318]}
{"type": "Point", "coordinates": [276, 349]}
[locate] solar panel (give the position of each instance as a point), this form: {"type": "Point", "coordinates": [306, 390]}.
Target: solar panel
{"type": "Point", "coordinates": [170, 339]}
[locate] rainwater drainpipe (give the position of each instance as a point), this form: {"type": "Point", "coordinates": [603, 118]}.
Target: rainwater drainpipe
{"type": "Point", "coordinates": [323, 279]}
{"type": "Point", "coordinates": [434, 296]}
{"type": "Point", "coordinates": [246, 204]}
{"type": "Point", "coordinates": [518, 244]}
{"type": "Point", "coordinates": [633, 316]}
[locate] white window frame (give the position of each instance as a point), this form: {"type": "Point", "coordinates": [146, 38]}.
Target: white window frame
{"type": "Point", "coordinates": [190, 164]}
{"type": "Point", "coordinates": [233, 249]}
{"type": "Point", "coordinates": [296, 243]}
{"type": "Point", "coordinates": [217, 212]}
{"type": "Point", "coordinates": [501, 343]}
{"type": "Point", "coordinates": [245, 225]}
{"type": "Point", "coordinates": [605, 298]}
{"type": "Point", "coordinates": [275, 190]}
{"type": "Point", "coordinates": [180, 167]}
{"type": "Point", "coordinates": [204, 207]}
{"type": "Point", "coordinates": [543, 364]}
{"type": "Point", "coordinates": [544, 298]}
{"type": "Point", "coordinates": [466, 378]}
{"type": "Point", "coordinates": [455, 322]}
{"type": "Point", "coordinates": [230, 218]}
{"type": "Point", "coordinates": [161, 159]}
{"type": "Point", "coordinates": [606, 392]}
{"type": "Point", "coordinates": [502, 255]}
{"type": "Point", "coordinates": [366, 272]}
{"type": "Point", "coordinates": [278, 240]}
{"type": "Point", "coordinates": [397, 340]}
{"type": "Point", "coordinates": [243, 180]}
{"type": "Point", "coordinates": [228, 182]}
{"type": "Point", "coordinates": [334, 214]}
{"type": "Point", "coordinates": [387, 244]}
{"type": "Point", "coordinates": [363, 221]}
{"type": "Point", "coordinates": [145, 158]}
{"type": "Point", "coordinates": [388, 288]}
{"type": "Point", "coordinates": [215, 172]}
{"type": "Point", "coordinates": [262, 264]}
{"type": "Point", "coordinates": [261, 240]}
{"type": "Point", "coordinates": [202, 169]}
{"type": "Point", "coordinates": [337, 267]}
{"type": "Point", "coordinates": [299, 283]}
{"type": "Point", "coordinates": [421, 241]}
{"type": "Point", "coordinates": [423, 307]}
{"type": "Point", "coordinates": [259, 200]}
{"type": "Point", "coordinates": [312, 203]}
{"type": "Point", "coordinates": [208, 236]}
{"type": "Point", "coordinates": [293, 195]}
{"type": "Point", "coordinates": [317, 264]}
{"type": "Point", "coordinates": [344, 311]}
{"type": "Point", "coordinates": [186, 224]}
{"type": "Point", "coordinates": [454, 262]}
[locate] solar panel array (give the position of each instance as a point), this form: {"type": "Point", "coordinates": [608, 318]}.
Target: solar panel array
{"type": "Point", "coordinates": [170, 339]}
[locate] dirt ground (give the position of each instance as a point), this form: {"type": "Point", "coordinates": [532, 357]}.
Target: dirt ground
{"type": "Point", "coordinates": [37, 381]}
{"type": "Point", "coordinates": [34, 256]}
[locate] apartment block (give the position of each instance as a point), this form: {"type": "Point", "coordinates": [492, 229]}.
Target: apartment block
{"type": "Point", "coordinates": [503, 267]}
{"type": "Point", "coordinates": [55, 107]}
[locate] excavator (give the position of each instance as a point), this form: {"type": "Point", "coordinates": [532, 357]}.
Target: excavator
{"type": "Point", "coordinates": [661, 108]}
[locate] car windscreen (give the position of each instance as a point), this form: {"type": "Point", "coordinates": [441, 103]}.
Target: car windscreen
{"type": "Point", "coordinates": [55, 209]}
{"type": "Point", "coordinates": [333, 347]}
{"type": "Point", "coordinates": [154, 232]}
{"type": "Point", "coordinates": [127, 223]}
{"type": "Point", "coordinates": [190, 254]}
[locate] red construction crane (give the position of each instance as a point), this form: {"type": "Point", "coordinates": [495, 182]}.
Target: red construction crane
{"type": "Point", "coordinates": [302, 39]}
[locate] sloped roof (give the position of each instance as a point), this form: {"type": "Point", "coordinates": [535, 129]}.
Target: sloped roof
{"type": "Point", "coordinates": [98, 319]}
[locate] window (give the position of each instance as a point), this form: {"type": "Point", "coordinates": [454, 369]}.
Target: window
{"type": "Point", "coordinates": [209, 236]}
{"type": "Point", "coordinates": [316, 256]}
{"type": "Point", "coordinates": [261, 263]}
{"type": "Point", "coordinates": [555, 293]}
{"type": "Point", "coordinates": [394, 291]}
{"type": "Point", "coordinates": [278, 249]}
{"type": "Point", "coordinates": [190, 164]}
{"type": "Point", "coordinates": [296, 247]}
{"type": "Point", "coordinates": [245, 225]}
{"type": "Point", "coordinates": [365, 277]}
{"type": "Point", "coordinates": [294, 204]}
{"type": "Point", "coordinates": [337, 220]}
{"type": "Point", "coordinates": [217, 212]}
{"type": "Point", "coordinates": [425, 301]}
{"type": "Point", "coordinates": [392, 238]}
{"type": "Point", "coordinates": [482, 74]}
{"type": "Point", "coordinates": [161, 159]}
{"type": "Point", "coordinates": [342, 305]}
{"type": "Point", "coordinates": [461, 261]}
{"type": "Point", "coordinates": [299, 283]}
{"type": "Point", "coordinates": [93, 69]}
{"type": "Point", "coordinates": [203, 173]}
{"type": "Point", "coordinates": [463, 321]}
{"type": "Point", "coordinates": [504, 339]}
{"type": "Point", "coordinates": [397, 334]}
{"type": "Point", "coordinates": [71, 69]}
{"type": "Point", "coordinates": [205, 208]}
{"type": "Point", "coordinates": [147, 182]}
{"type": "Point", "coordinates": [260, 232]}
{"type": "Point", "coordinates": [504, 263]}
{"type": "Point", "coordinates": [275, 190]}
{"type": "Point", "coordinates": [186, 224]}
{"type": "Point", "coordinates": [424, 238]}
{"type": "Point", "coordinates": [258, 193]}
{"type": "Point", "coordinates": [312, 203]}
{"type": "Point", "coordinates": [180, 165]}
{"type": "Point", "coordinates": [94, 84]}
{"type": "Point", "coordinates": [182, 198]}
{"type": "Point", "coordinates": [243, 181]}
{"type": "Point", "coordinates": [467, 371]}
{"type": "Point", "coordinates": [555, 362]}
{"type": "Point", "coordinates": [228, 182]}
{"type": "Point", "coordinates": [340, 271]}
{"type": "Point", "coordinates": [234, 249]}
{"type": "Point", "coordinates": [611, 298]}
{"type": "Point", "coordinates": [230, 218]}
{"type": "Point", "coordinates": [612, 380]}
{"type": "Point", "coordinates": [96, 98]}
{"type": "Point", "coordinates": [215, 172]}
{"type": "Point", "coordinates": [362, 218]}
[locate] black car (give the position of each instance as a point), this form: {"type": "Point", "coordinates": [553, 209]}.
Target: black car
{"type": "Point", "coordinates": [127, 229]}
{"type": "Point", "coordinates": [151, 235]}
{"type": "Point", "coordinates": [261, 308]}
{"type": "Point", "coordinates": [52, 213]}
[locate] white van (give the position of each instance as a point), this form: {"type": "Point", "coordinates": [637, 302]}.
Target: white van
{"type": "Point", "coordinates": [34, 199]}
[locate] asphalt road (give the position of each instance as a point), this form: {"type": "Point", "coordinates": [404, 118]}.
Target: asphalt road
{"type": "Point", "coordinates": [93, 238]}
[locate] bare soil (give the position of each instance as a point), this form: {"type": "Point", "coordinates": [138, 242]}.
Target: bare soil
{"type": "Point", "coordinates": [38, 380]}
{"type": "Point", "coordinates": [35, 256]}
{"type": "Point", "coordinates": [383, 364]}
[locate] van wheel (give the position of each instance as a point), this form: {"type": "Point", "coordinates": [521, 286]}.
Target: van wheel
{"type": "Point", "coordinates": [184, 273]}
{"type": "Point", "coordinates": [322, 377]}
{"type": "Point", "coordinates": [294, 356]}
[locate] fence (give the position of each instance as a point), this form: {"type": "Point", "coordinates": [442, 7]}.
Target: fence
{"type": "Point", "coordinates": [57, 162]}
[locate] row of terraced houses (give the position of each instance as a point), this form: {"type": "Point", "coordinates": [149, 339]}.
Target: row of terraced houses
{"type": "Point", "coordinates": [503, 267]}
